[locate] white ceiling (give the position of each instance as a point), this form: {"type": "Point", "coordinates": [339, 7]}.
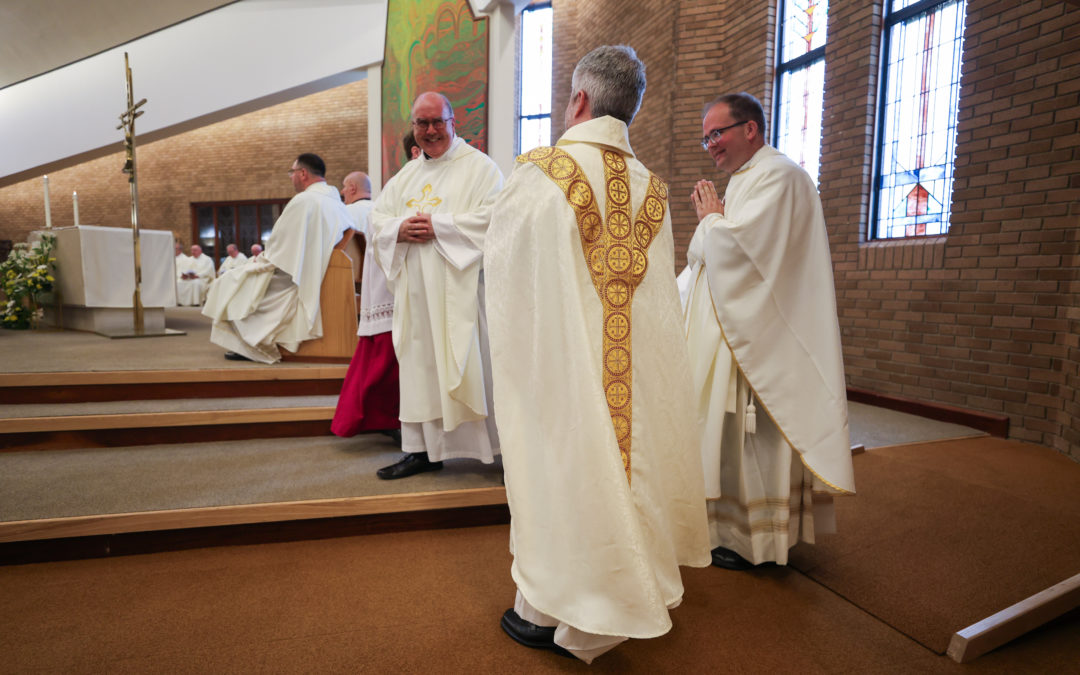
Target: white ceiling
{"type": "Point", "coordinates": [37, 36]}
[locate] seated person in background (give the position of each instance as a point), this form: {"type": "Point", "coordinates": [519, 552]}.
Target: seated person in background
{"type": "Point", "coordinates": [234, 258]}
{"type": "Point", "coordinates": [255, 250]}
{"type": "Point", "coordinates": [274, 299]}
{"type": "Point", "coordinates": [193, 277]}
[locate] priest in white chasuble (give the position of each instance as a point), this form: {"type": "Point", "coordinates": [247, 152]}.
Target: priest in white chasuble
{"type": "Point", "coordinates": [194, 274]}
{"type": "Point", "coordinates": [429, 224]}
{"type": "Point", "coordinates": [764, 342]}
{"type": "Point", "coordinates": [592, 380]}
{"type": "Point", "coordinates": [233, 258]}
{"type": "Point", "coordinates": [273, 301]}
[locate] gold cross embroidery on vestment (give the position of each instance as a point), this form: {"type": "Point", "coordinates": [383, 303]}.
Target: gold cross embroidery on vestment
{"type": "Point", "coordinates": [425, 202]}
{"type": "Point", "coordinates": [616, 252]}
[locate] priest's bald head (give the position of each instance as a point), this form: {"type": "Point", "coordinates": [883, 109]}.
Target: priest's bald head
{"type": "Point", "coordinates": [609, 80]}
{"type": "Point", "coordinates": [433, 123]}
{"type": "Point", "coordinates": [734, 129]}
{"type": "Point", "coordinates": [306, 170]}
{"type": "Point", "coordinates": [356, 186]}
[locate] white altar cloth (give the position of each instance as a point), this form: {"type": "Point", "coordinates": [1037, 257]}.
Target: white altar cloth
{"type": "Point", "coordinates": [95, 266]}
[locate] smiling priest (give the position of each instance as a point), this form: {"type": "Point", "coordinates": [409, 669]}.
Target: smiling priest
{"type": "Point", "coordinates": [273, 301]}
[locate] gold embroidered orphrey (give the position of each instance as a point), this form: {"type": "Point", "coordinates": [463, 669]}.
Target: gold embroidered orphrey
{"type": "Point", "coordinates": [616, 253]}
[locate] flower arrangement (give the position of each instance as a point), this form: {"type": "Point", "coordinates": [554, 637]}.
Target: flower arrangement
{"type": "Point", "coordinates": [27, 274]}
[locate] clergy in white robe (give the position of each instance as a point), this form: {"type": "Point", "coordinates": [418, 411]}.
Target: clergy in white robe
{"type": "Point", "coordinates": [429, 224]}
{"type": "Point", "coordinates": [273, 300]}
{"type": "Point", "coordinates": [764, 341]}
{"type": "Point", "coordinates": [233, 258]}
{"type": "Point", "coordinates": [592, 380]}
{"type": "Point", "coordinates": [193, 277]}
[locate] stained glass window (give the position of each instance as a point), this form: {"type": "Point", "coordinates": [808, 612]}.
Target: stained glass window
{"type": "Point", "coordinates": [534, 117]}
{"type": "Point", "coordinates": [917, 124]}
{"type": "Point", "coordinates": [801, 74]}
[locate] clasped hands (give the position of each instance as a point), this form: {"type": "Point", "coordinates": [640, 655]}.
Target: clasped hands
{"type": "Point", "coordinates": [706, 200]}
{"type": "Point", "coordinates": [416, 229]}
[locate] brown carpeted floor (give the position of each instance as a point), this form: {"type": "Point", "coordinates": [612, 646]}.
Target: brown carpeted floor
{"type": "Point", "coordinates": [942, 535]}
{"type": "Point", "coordinates": [426, 602]}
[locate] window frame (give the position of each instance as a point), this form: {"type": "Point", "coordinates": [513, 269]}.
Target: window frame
{"type": "Point", "coordinates": [888, 21]}
{"type": "Point", "coordinates": [782, 68]}
{"type": "Point", "coordinates": [217, 254]}
{"type": "Point", "coordinates": [521, 60]}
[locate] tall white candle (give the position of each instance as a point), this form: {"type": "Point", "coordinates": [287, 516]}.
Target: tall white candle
{"type": "Point", "coordinates": [48, 215]}
{"type": "Point", "coordinates": [75, 203]}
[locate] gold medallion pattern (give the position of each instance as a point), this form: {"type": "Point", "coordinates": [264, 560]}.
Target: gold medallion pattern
{"type": "Point", "coordinates": [616, 260]}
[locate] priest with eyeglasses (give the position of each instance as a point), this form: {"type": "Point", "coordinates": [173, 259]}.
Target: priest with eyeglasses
{"type": "Point", "coordinates": [429, 226]}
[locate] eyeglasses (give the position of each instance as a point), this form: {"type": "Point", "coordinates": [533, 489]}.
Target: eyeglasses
{"type": "Point", "coordinates": [436, 123]}
{"type": "Point", "coordinates": [716, 134]}
{"type": "Point", "coordinates": [292, 171]}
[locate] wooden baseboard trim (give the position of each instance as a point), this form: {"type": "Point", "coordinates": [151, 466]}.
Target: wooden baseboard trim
{"type": "Point", "coordinates": [245, 514]}
{"type": "Point", "coordinates": [1010, 623]}
{"type": "Point", "coordinates": [995, 425]}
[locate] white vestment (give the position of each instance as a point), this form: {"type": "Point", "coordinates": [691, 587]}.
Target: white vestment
{"type": "Point", "coordinates": [440, 335]}
{"type": "Point", "coordinates": [593, 549]}
{"type": "Point", "coordinates": [761, 327]}
{"type": "Point", "coordinates": [230, 262]}
{"type": "Point", "coordinates": [274, 299]}
{"type": "Point", "coordinates": [192, 292]}
{"type": "Point", "coordinates": [376, 300]}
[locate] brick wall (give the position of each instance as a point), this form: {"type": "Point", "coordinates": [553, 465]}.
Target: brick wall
{"type": "Point", "coordinates": [245, 157]}
{"type": "Point", "coordinates": [986, 317]}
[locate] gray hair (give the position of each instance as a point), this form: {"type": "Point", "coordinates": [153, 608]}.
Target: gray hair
{"type": "Point", "coordinates": [613, 78]}
{"type": "Point", "coordinates": [743, 107]}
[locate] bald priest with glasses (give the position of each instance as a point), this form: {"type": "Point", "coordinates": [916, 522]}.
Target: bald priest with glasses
{"type": "Point", "coordinates": [764, 343]}
{"type": "Point", "coordinates": [429, 225]}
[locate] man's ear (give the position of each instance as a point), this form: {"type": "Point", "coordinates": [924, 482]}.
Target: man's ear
{"type": "Point", "coordinates": [581, 104]}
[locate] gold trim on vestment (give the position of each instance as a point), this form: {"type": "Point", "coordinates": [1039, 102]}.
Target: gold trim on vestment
{"type": "Point", "coordinates": [616, 255]}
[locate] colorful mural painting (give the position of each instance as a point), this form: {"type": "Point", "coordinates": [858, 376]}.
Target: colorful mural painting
{"type": "Point", "coordinates": [433, 45]}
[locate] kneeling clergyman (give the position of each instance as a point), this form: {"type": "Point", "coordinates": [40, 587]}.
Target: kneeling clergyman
{"type": "Point", "coordinates": [592, 380]}
{"type": "Point", "coordinates": [764, 341]}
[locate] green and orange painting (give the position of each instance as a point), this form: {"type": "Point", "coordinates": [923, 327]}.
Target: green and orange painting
{"type": "Point", "coordinates": [433, 45]}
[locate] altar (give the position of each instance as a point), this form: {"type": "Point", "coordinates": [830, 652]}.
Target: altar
{"type": "Point", "coordinates": [95, 278]}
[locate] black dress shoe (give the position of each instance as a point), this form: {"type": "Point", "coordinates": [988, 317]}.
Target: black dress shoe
{"type": "Point", "coordinates": [414, 463]}
{"type": "Point", "coordinates": [394, 435]}
{"type": "Point", "coordinates": [529, 634]}
{"type": "Point", "coordinates": [729, 560]}
{"type": "Point", "coordinates": [233, 356]}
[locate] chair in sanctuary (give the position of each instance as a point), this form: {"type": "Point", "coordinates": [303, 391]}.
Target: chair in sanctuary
{"type": "Point", "coordinates": [338, 304]}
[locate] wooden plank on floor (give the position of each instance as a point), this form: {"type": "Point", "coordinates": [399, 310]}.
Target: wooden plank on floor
{"type": "Point", "coordinates": [176, 519]}
{"type": "Point", "coordinates": [1012, 622]}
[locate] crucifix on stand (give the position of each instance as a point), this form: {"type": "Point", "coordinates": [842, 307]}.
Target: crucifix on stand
{"type": "Point", "coordinates": [127, 123]}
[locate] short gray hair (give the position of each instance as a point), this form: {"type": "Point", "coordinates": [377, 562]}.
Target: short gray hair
{"type": "Point", "coordinates": [613, 77]}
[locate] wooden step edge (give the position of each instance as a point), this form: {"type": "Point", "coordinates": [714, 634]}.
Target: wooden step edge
{"type": "Point", "coordinates": [163, 419]}
{"type": "Point", "coordinates": [173, 519]}
{"type": "Point", "coordinates": [268, 373]}
{"type": "Point", "coordinates": [1012, 622]}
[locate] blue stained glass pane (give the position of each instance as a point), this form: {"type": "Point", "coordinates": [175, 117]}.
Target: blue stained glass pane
{"type": "Point", "coordinates": [799, 123]}
{"type": "Point", "coordinates": [918, 135]}
{"type": "Point", "coordinates": [804, 27]}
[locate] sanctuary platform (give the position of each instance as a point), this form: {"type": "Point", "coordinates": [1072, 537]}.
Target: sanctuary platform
{"type": "Point", "coordinates": [151, 444]}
